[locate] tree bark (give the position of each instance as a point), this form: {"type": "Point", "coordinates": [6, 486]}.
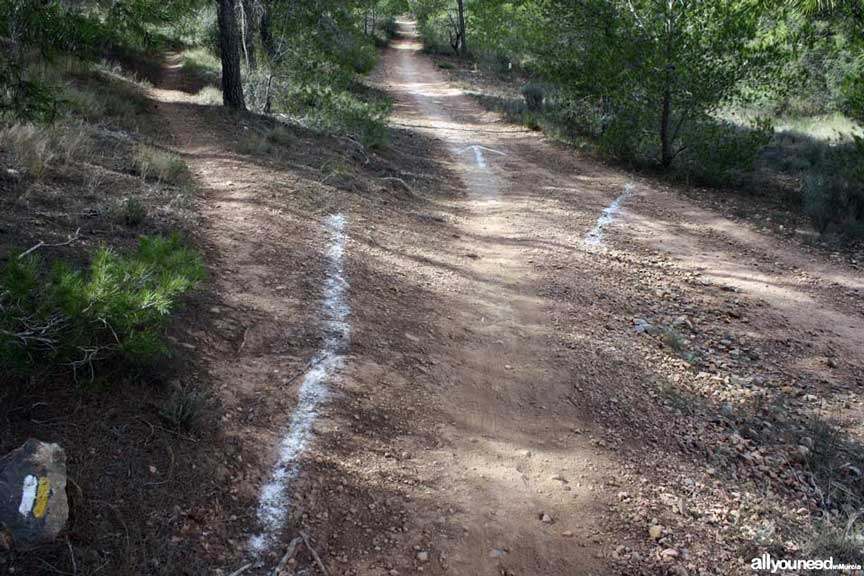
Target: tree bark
{"type": "Point", "coordinates": [229, 46]}
{"type": "Point", "coordinates": [463, 47]}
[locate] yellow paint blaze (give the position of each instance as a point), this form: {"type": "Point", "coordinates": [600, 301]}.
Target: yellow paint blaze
{"type": "Point", "coordinates": [42, 493]}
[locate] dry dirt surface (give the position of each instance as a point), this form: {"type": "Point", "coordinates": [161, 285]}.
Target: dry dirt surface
{"type": "Point", "coordinates": [466, 386]}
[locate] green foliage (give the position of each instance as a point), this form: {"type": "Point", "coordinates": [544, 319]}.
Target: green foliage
{"type": "Point", "coordinates": [201, 64]}
{"type": "Point", "coordinates": [655, 66]}
{"type": "Point", "coordinates": [40, 30]}
{"type": "Point", "coordinates": [342, 112]}
{"type": "Point", "coordinates": [720, 154]}
{"type": "Point", "coordinates": [362, 59]}
{"type": "Point", "coordinates": [534, 94]}
{"type": "Point", "coordinates": [133, 212]}
{"type": "Point", "coordinates": [832, 194]}
{"type": "Point", "coordinates": [61, 319]}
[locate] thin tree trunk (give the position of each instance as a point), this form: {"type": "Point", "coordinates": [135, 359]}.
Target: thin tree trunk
{"type": "Point", "coordinates": [229, 46]}
{"type": "Point", "coordinates": [266, 32]}
{"type": "Point", "coordinates": [666, 137]}
{"type": "Point", "coordinates": [665, 121]}
{"type": "Point", "coordinates": [463, 46]}
{"type": "Point", "coordinates": [248, 34]}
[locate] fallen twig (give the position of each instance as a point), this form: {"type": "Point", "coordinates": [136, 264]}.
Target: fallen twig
{"type": "Point", "coordinates": [69, 240]}
{"type": "Point", "coordinates": [314, 554]}
{"type": "Point", "coordinates": [399, 180]}
{"type": "Point", "coordinates": [243, 342]}
{"type": "Point", "coordinates": [289, 553]}
{"type": "Point", "coordinates": [241, 570]}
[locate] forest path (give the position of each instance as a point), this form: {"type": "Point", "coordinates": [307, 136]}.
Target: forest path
{"type": "Point", "coordinates": [446, 442]}
{"type": "Point", "coordinates": [496, 412]}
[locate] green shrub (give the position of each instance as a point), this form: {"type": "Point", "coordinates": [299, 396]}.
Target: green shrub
{"type": "Point", "coordinates": [337, 111]}
{"type": "Point", "coordinates": [133, 212]}
{"type": "Point", "coordinates": [721, 154]}
{"type": "Point", "coordinates": [363, 58]}
{"type": "Point", "coordinates": [816, 200]}
{"type": "Point", "coordinates": [832, 196]}
{"type": "Point", "coordinates": [534, 94]}
{"type": "Point", "coordinates": [59, 319]}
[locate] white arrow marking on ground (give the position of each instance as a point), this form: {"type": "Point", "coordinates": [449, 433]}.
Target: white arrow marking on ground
{"type": "Point", "coordinates": [478, 153]}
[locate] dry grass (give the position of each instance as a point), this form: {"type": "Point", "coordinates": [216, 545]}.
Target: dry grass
{"type": "Point", "coordinates": [165, 167]}
{"type": "Point", "coordinates": [36, 149]}
{"type": "Point", "coordinates": [209, 96]}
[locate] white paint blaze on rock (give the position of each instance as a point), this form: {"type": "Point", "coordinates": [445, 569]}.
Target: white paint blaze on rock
{"type": "Point", "coordinates": [275, 500]}
{"type": "Point", "coordinates": [595, 236]}
{"type": "Point", "coordinates": [28, 495]}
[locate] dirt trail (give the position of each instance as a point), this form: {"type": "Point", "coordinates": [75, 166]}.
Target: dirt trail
{"type": "Point", "coordinates": [522, 479]}
{"type": "Point", "coordinates": [495, 413]}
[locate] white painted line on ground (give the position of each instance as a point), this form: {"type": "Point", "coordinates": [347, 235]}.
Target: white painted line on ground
{"type": "Point", "coordinates": [478, 153]}
{"type": "Point", "coordinates": [595, 236]}
{"type": "Point", "coordinates": [274, 500]}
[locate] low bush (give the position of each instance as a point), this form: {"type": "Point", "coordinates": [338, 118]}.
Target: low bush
{"type": "Point", "coordinates": [721, 154]}
{"type": "Point", "coordinates": [832, 194]}
{"type": "Point", "coordinates": [534, 94]}
{"type": "Point", "coordinates": [336, 111]}
{"type": "Point", "coordinates": [363, 58]}
{"type": "Point", "coordinates": [133, 212]}
{"type": "Point", "coordinates": [60, 319]}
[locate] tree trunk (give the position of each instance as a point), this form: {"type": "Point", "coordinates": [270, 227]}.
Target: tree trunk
{"type": "Point", "coordinates": [665, 121]}
{"type": "Point", "coordinates": [463, 46]}
{"type": "Point", "coordinates": [666, 136]}
{"type": "Point", "coordinates": [266, 32]}
{"type": "Point", "coordinates": [229, 46]}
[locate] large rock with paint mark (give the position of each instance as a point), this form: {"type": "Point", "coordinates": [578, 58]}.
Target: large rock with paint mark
{"type": "Point", "coordinates": [33, 505]}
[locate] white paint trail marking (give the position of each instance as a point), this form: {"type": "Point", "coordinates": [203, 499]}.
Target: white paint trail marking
{"type": "Point", "coordinates": [478, 153]}
{"type": "Point", "coordinates": [275, 501]}
{"type": "Point", "coordinates": [28, 495]}
{"type": "Point", "coordinates": [595, 236]}
{"type": "Point", "coordinates": [478, 157]}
